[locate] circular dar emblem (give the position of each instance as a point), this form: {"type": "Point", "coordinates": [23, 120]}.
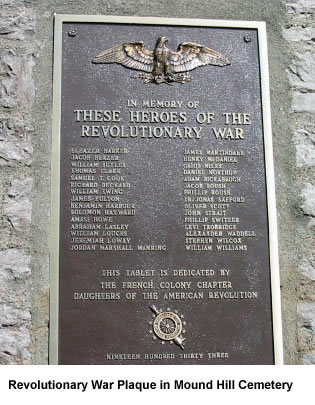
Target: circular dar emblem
{"type": "Point", "coordinates": [168, 326]}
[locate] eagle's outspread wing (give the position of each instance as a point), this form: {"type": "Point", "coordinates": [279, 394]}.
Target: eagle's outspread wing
{"type": "Point", "coordinates": [189, 56]}
{"type": "Point", "coordinates": [133, 55]}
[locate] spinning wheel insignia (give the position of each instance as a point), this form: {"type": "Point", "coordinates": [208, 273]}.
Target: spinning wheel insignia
{"type": "Point", "coordinates": [168, 326]}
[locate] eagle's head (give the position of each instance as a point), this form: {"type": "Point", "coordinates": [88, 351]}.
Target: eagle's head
{"type": "Point", "coordinates": [161, 41]}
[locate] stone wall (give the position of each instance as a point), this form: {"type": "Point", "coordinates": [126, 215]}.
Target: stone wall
{"type": "Point", "coordinates": [26, 43]}
{"type": "Point", "coordinates": [299, 32]}
{"type": "Point", "coordinates": [17, 91]}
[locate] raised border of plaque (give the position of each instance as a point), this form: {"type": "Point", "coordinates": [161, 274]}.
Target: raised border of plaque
{"type": "Point", "coordinates": [56, 141]}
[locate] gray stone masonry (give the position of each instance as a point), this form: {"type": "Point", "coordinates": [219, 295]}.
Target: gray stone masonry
{"type": "Point", "coordinates": [26, 48]}
{"type": "Point", "coordinates": [17, 91]}
{"type": "Point", "coordinates": [15, 308]}
{"type": "Point", "coordinates": [299, 32]}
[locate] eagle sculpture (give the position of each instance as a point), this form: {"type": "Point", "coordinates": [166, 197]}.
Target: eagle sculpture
{"type": "Point", "coordinates": [162, 65]}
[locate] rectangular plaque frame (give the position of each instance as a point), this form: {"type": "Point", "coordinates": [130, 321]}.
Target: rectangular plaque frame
{"type": "Point", "coordinates": [267, 135]}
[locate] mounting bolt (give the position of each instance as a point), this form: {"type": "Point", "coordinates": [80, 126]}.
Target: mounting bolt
{"type": "Point", "coordinates": [247, 38]}
{"type": "Point", "coordinates": [72, 32]}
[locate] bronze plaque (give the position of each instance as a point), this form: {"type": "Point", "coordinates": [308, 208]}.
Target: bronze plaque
{"type": "Point", "coordinates": [164, 247]}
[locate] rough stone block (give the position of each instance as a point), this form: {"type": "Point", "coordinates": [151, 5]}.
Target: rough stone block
{"type": "Point", "coordinates": [311, 225]}
{"type": "Point", "coordinates": [20, 188]}
{"type": "Point", "coordinates": [13, 2]}
{"type": "Point", "coordinates": [15, 288]}
{"type": "Point", "coordinates": [18, 207]}
{"type": "Point", "coordinates": [303, 102]}
{"type": "Point", "coordinates": [299, 34]}
{"type": "Point", "coordinates": [302, 71]}
{"type": "Point", "coordinates": [14, 345]}
{"type": "Point", "coordinates": [11, 316]}
{"type": "Point", "coordinates": [304, 142]}
{"type": "Point", "coordinates": [16, 80]}
{"type": "Point", "coordinates": [19, 214]}
{"type": "Point", "coordinates": [15, 143]}
{"type": "Point", "coordinates": [14, 265]}
{"type": "Point", "coordinates": [306, 316]}
{"type": "Point", "coordinates": [301, 7]}
{"type": "Point", "coordinates": [306, 324]}
{"type": "Point", "coordinates": [307, 268]}
{"type": "Point", "coordinates": [308, 195]}
{"type": "Point", "coordinates": [17, 23]}
{"type": "Point", "coordinates": [306, 290]}
{"type": "Point", "coordinates": [308, 358]}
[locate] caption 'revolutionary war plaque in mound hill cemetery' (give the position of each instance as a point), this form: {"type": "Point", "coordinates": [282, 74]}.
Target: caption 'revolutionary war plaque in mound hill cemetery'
{"type": "Point", "coordinates": [163, 213]}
